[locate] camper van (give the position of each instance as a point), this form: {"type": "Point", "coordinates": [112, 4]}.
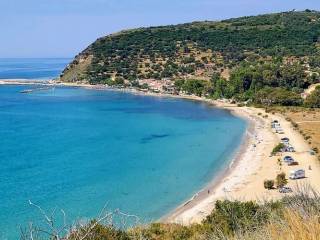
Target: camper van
{"type": "Point", "coordinates": [297, 174]}
{"type": "Point", "coordinates": [275, 124]}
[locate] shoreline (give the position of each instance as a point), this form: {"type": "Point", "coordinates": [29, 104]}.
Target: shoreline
{"type": "Point", "coordinates": [250, 165]}
{"type": "Point", "coordinates": [211, 187]}
{"type": "Point", "coordinates": [216, 189]}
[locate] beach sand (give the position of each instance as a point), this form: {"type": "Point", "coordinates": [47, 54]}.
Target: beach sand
{"type": "Point", "coordinates": [252, 164]}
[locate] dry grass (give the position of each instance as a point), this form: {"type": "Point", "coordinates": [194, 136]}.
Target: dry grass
{"type": "Point", "coordinates": [299, 220]}
{"type": "Point", "coordinates": [307, 121]}
{"type": "Point", "coordinates": [309, 124]}
{"type": "Point", "coordinates": [294, 227]}
{"type": "Point", "coordinates": [291, 227]}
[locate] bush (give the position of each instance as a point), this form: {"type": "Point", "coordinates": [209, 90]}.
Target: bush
{"type": "Point", "coordinates": [162, 231]}
{"type": "Point", "coordinates": [277, 149]}
{"type": "Point", "coordinates": [99, 232]}
{"type": "Point", "coordinates": [281, 180]}
{"type": "Point", "coordinates": [268, 184]}
{"type": "Point", "coordinates": [230, 217]}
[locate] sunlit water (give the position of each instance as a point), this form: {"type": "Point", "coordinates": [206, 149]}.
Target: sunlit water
{"type": "Point", "coordinates": [78, 149]}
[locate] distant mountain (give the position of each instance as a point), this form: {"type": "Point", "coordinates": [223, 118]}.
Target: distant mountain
{"type": "Point", "coordinates": [197, 50]}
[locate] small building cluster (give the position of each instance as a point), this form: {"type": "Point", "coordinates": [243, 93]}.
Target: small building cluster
{"type": "Point", "coordinates": [158, 86]}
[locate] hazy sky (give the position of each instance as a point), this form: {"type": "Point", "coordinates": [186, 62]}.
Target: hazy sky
{"type": "Point", "coordinates": [62, 28]}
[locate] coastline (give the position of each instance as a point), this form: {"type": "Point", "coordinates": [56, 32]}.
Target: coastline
{"type": "Point", "coordinates": [249, 167]}
{"type": "Point", "coordinates": [202, 203]}
{"type": "Point", "coordinates": [213, 185]}
{"type": "Point", "coordinates": [252, 165]}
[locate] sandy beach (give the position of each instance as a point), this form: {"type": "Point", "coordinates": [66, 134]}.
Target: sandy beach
{"type": "Point", "coordinates": [252, 164]}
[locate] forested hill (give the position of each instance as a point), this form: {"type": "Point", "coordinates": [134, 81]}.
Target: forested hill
{"type": "Point", "coordinates": [200, 50]}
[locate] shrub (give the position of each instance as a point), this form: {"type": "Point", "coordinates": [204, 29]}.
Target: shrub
{"type": "Point", "coordinates": [230, 217]}
{"type": "Point", "coordinates": [277, 149]}
{"type": "Point", "coordinates": [281, 180]}
{"type": "Point", "coordinates": [163, 231]}
{"type": "Point", "coordinates": [99, 232]}
{"type": "Point", "coordinates": [268, 184]}
{"type": "Point", "coordinates": [295, 125]}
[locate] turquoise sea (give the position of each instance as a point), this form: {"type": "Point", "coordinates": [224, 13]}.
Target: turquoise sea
{"type": "Point", "coordinates": [77, 149]}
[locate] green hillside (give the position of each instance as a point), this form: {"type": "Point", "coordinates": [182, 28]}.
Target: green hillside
{"type": "Point", "coordinates": [243, 58]}
{"type": "Point", "coordinates": [181, 50]}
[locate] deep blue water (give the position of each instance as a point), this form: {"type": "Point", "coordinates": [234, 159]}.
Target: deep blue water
{"type": "Point", "coordinates": [78, 149]}
{"type": "Point", "coordinates": [31, 68]}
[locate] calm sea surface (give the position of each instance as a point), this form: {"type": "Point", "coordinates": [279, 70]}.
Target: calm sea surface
{"type": "Point", "coordinates": [31, 68]}
{"type": "Point", "coordinates": [78, 149]}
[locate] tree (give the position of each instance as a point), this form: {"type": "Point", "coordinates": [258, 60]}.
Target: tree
{"type": "Point", "coordinates": [179, 84]}
{"type": "Point", "coordinates": [220, 87]}
{"type": "Point", "coordinates": [119, 81]}
{"type": "Point", "coordinates": [293, 76]}
{"type": "Point", "coordinates": [277, 96]}
{"type": "Point", "coordinates": [193, 86]}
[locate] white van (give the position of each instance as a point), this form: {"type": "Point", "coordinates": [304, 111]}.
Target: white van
{"type": "Point", "coordinates": [297, 174]}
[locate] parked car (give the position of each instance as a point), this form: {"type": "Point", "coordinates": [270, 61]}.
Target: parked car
{"type": "Point", "coordinates": [297, 174]}
{"type": "Point", "coordinates": [285, 190]}
{"type": "Point", "coordinates": [312, 152]}
{"type": "Point", "coordinates": [285, 140]}
{"type": "Point", "coordinates": [288, 159]}
{"type": "Point", "coordinates": [289, 149]}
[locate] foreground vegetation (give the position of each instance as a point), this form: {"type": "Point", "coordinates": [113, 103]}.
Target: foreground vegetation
{"type": "Point", "coordinates": [293, 217]}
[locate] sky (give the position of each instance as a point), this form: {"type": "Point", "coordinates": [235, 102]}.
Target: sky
{"type": "Point", "coordinates": [63, 28]}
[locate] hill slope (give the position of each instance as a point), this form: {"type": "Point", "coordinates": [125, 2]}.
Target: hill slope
{"type": "Point", "coordinates": [196, 49]}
